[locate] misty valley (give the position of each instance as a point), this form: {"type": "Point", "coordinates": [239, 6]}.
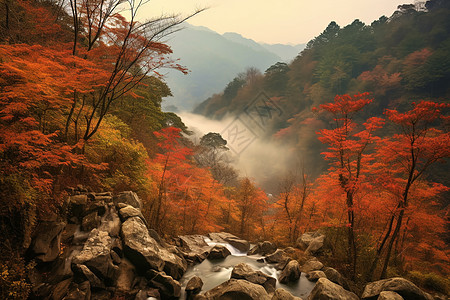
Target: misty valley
{"type": "Point", "coordinates": [155, 159]}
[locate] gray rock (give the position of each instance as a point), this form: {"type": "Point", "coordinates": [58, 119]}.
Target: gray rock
{"type": "Point", "coordinates": [315, 245]}
{"type": "Point", "coordinates": [139, 247]}
{"type": "Point", "coordinates": [336, 277]}
{"type": "Point", "coordinates": [194, 285]}
{"type": "Point", "coordinates": [193, 247]}
{"type": "Point", "coordinates": [127, 276]}
{"type": "Point", "coordinates": [291, 272]}
{"type": "Point", "coordinates": [327, 290]}
{"type": "Point", "coordinates": [94, 281]}
{"type": "Point", "coordinates": [61, 289]}
{"type": "Point", "coordinates": [264, 248]}
{"type": "Point", "coordinates": [238, 243]}
{"type": "Point", "coordinates": [311, 265]}
{"type": "Point", "coordinates": [115, 257]}
{"type": "Point", "coordinates": [145, 253]}
{"type": "Point", "coordinates": [129, 211]}
{"type": "Point", "coordinates": [77, 205]}
{"type": "Point", "coordinates": [401, 286]}
{"type": "Point", "coordinates": [96, 256]}
{"type": "Point", "coordinates": [218, 252]}
{"type": "Point", "coordinates": [315, 275]}
{"type": "Point", "coordinates": [47, 240]}
{"type": "Point", "coordinates": [305, 239]}
{"type": "Point", "coordinates": [129, 198]}
{"type": "Point", "coordinates": [174, 265]}
{"type": "Point", "coordinates": [278, 256]}
{"type": "Point", "coordinates": [237, 289]}
{"type": "Point", "coordinates": [168, 287]}
{"type": "Point", "coordinates": [244, 271]}
{"type": "Point", "coordinates": [281, 294]}
{"type": "Point", "coordinates": [192, 243]}
{"type": "Point", "coordinates": [388, 295]}
{"type": "Point", "coordinates": [98, 206]}
{"type": "Point", "coordinates": [90, 221]}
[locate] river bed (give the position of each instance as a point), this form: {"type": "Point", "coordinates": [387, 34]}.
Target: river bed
{"type": "Point", "coordinates": [216, 272]}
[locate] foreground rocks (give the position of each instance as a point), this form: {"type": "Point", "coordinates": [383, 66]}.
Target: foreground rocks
{"type": "Point", "coordinates": [327, 290]}
{"type": "Point", "coordinates": [401, 286]}
{"type": "Point", "coordinates": [109, 251]}
{"type": "Point", "coordinates": [244, 271]}
{"type": "Point", "coordinates": [291, 272]}
{"type": "Point", "coordinates": [311, 242]}
{"type": "Point", "coordinates": [238, 289]}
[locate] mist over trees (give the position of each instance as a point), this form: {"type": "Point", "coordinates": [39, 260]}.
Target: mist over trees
{"type": "Point", "coordinates": [401, 63]}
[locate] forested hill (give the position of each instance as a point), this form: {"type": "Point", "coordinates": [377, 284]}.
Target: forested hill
{"type": "Point", "coordinates": [214, 59]}
{"type": "Point", "coordinates": [398, 60]}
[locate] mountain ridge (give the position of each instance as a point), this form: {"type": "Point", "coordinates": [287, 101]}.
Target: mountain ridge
{"type": "Point", "coordinates": [201, 50]}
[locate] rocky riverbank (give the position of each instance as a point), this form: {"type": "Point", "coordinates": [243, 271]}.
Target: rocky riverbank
{"type": "Point", "coordinates": [103, 249]}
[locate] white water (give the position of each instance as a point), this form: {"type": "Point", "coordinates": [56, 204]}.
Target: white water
{"type": "Point", "coordinates": [234, 251]}
{"type": "Point", "coordinates": [216, 272]}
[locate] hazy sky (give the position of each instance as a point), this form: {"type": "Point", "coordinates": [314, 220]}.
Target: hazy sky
{"type": "Point", "coordinates": [270, 21]}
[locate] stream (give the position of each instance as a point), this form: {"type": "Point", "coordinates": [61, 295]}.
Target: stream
{"type": "Point", "coordinates": [216, 272]}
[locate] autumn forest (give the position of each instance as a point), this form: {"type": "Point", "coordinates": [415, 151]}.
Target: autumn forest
{"type": "Point", "coordinates": [367, 106]}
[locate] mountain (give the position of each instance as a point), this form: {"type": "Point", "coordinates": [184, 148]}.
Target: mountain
{"type": "Point", "coordinates": [286, 52]}
{"type": "Point", "coordinates": [213, 61]}
{"type": "Point", "coordinates": [398, 60]}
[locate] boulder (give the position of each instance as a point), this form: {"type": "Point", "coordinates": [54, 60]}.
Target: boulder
{"type": "Point", "coordinates": [130, 211]}
{"type": "Point", "coordinates": [281, 294]}
{"type": "Point", "coordinates": [315, 275]}
{"type": "Point", "coordinates": [264, 248]}
{"type": "Point", "coordinates": [278, 256]}
{"type": "Point", "coordinates": [327, 290]}
{"type": "Point", "coordinates": [76, 205]}
{"type": "Point", "coordinates": [315, 245]}
{"type": "Point", "coordinates": [168, 287]}
{"type": "Point", "coordinates": [336, 277]}
{"type": "Point", "coordinates": [96, 256]}
{"type": "Point", "coordinates": [61, 289]}
{"type": "Point", "coordinates": [388, 295]}
{"type": "Point", "coordinates": [129, 198]}
{"type": "Point", "coordinates": [401, 286]}
{"type": "Point", "coordinates": [127, 275]}
{"type": "Point", "coordinates": [96, 205]}
{"type": "Point", "coordinates": [238, 243]}
{"type": "Point", "coordinates": [194, 286]}
{"type": "Point", "coordinates": [90, 221]}
{"type": "Point", "coordinates": [45, 245]}
{"type": "Point", "coordinates": [218, 252]}
{"type": "Point", "coordinates": [311, 265]}
{"type": "Point", "coordinates": [244, 271]}
{"type": "Point", "coordinates": [290, 273]}
{"type": "Point", "coordinates": [193, 247]}
{"type": "Point", "coordinates": [237, 289]}
{"type": "Point", "coordinates": [192, 243]}
{"type": "Point", "coordinates": [174, 265]}
{"type": "Point", "coordinates": [139, 247]}
{"type": "Point", "coordinates": [94, 281]}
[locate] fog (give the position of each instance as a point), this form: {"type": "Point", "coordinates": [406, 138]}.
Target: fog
{"type": "Point", "coordinates": [253, 156]}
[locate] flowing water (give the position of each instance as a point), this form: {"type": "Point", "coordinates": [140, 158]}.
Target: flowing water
{"type": "Point", "coordinates": [216, 272]}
